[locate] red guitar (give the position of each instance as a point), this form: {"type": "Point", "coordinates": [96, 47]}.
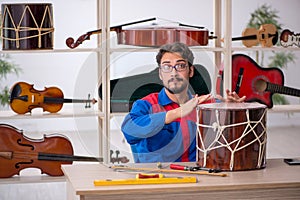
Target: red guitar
{"type": "Point", "coordinates": [257, 83]}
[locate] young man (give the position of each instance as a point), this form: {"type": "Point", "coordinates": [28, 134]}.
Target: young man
{"type": "Point", "coordinates": [161, 127]}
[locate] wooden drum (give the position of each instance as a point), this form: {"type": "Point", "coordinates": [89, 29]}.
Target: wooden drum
{"type": "Point", "coordinates": [231, 136]}
{"type": "Point", "coordinates": [27, 26]}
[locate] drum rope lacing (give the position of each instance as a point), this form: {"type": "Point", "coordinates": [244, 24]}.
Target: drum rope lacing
{"type": "Point", "coordinates": [216, 126]}
{"type": "Point", "coordinates": [18, 28]}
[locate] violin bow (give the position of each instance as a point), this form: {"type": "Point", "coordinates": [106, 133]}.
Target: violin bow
{"type": "Point", "coordinates": [71, 44]}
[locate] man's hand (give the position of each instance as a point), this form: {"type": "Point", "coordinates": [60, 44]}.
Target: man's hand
{"type": "Point", "coordinates": [189, 106]}
{"type": "Point", "coordinates": [231, 97]}
{"type": "Point", "coordinates": [186, 108]}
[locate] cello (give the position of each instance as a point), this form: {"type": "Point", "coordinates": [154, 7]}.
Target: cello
{"type": "Point", "coordinates": [18, 152]}
{"type": "Point", "coordinates": [24, 98]}
{"type": "Point", "coordinates": [153, 35]}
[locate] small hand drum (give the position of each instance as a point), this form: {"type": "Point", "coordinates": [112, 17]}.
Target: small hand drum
{"type": "Point", "coordinates": [27, 26]}
{"type": "Point", "coordinates": [231, 136]}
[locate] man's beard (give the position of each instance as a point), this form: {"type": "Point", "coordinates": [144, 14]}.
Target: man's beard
{"type": "Point", "coordinates": [177, 90]}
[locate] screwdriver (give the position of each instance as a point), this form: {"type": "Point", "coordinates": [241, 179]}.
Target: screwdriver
{"type": "Point", "coordinates": [188, 168]}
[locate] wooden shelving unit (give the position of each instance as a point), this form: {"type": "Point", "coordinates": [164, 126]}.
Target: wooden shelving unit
{"type": "Point", "coordinates": [104, 51]}
{"type": "Point", "coordinates": [222, 53]}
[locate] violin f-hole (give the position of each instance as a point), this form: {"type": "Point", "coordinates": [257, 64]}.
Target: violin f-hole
{"type": "Point", "coordinates": [25, 145]}
{"type": "Point", "coordinates": [17, 165]}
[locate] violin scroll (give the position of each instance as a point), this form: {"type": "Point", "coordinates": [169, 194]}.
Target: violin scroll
{"type": "Point", "coordinates": [70, 41]}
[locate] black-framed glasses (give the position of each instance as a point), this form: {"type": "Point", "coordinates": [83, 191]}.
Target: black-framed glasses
{"type": "Point", "coordinates": [179, 67]}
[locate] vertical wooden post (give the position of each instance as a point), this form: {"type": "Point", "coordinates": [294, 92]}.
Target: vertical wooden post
{"type": "Point", "coordinates": [228, 46]}
{"type": "Point", "coordinates": [217, 31]}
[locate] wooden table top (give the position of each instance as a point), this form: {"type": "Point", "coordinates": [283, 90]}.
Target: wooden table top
{"type": "Point", "coordinates": [277, 174]}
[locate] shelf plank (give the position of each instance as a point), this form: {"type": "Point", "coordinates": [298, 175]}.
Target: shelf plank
{"type": "Point", "coordinates": [32, 179]}
{"type": "Point", "coordinates": [259, 48]}
{"type": "Point", "coordinates": [77, 50]}
{"type": "Point", "coordinates": [123, 48]}
{"type": "Point", "coordinates": [66, 113]}
{"type": "Point", "coordinates": [285, 108]}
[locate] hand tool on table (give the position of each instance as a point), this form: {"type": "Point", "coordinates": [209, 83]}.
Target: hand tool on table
{"type": "Point", "coordinates": [151, 170]}
{"type": "Point", "coordinates": [189, 168]}
{"type": "Point", "coordinates": [146, 179]}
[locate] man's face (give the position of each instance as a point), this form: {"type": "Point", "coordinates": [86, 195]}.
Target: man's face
{"type": "Point", "coordinates": [175, 81]}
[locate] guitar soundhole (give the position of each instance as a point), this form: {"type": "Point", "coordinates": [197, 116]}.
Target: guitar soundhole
{"type": "Point", "coordinates": [260, 85]}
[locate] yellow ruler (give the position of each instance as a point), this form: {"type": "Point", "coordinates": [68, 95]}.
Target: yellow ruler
{"type": "Point", "coordinates": [137, 181]}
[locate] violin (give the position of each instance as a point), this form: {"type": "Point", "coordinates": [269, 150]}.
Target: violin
{"type": "Point", "coordinates": [24, 98]}
{"type": "Point", "coordinates": [18, 152]}
{"type": "Point", "coordinates": [266, 35]}
{"type": "Point", "coordinates": [153, 35]}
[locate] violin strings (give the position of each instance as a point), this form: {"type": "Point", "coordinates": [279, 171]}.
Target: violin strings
{"type": "Point", "coordinates": [181, 24]}
{"type": "Point", "coordinates": [167, 20]}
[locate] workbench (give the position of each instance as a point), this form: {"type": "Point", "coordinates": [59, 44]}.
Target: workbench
{"type": "Point", "coordinates": [277, 181]}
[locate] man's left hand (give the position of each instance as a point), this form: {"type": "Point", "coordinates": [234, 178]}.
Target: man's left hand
{"type": "Point", "coordinates": [231, 97]}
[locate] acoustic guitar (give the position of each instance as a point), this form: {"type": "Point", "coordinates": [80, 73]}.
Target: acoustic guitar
{"type": "Point", "coordinates": [289, 38]}
{"type": "Point", "coordinates": [266, 35]}
{"type": "Point", "coordinates": [257, 83]}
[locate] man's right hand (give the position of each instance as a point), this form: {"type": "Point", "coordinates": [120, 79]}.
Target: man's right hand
{"type": "Point", "coordinates": [186, 108]}
{"type": "Point", "coordinates": [190, 105]}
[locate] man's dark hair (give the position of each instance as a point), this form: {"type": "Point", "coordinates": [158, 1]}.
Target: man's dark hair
{"type": "Point", "coordinates": [176, 47]}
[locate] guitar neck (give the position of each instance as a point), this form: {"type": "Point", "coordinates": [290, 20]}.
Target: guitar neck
{"type": "Point", "coordinates": [249, 37]}
{"type": "Point", "coordinates": [275, 88]}
{"type": "Point", "coordinates": [253, 37]}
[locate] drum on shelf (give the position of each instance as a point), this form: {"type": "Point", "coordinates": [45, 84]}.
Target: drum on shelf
{"type": "Point", "coordinates": [27, 26]}
{"type": "Point", "coordinates": [231, 136]}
